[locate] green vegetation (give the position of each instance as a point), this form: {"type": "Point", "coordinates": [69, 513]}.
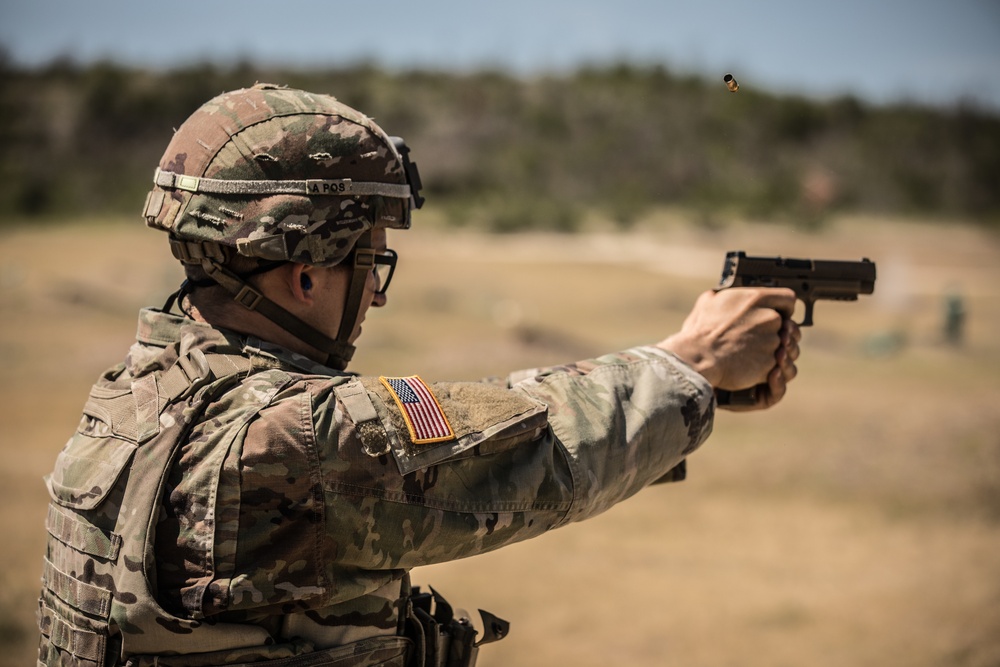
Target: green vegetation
{"type": "Point", "coordinates": [508, 153]}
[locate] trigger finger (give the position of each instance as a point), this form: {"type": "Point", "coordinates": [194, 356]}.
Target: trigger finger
{"type": "Point", "coordinates": [781, 299]}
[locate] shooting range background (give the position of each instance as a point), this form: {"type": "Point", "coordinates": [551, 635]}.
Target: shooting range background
{"type": "Point", "coordinates": [856, 524]}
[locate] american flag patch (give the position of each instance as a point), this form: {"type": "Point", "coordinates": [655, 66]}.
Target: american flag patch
{"type": "Point", "coordinates": [420, 409]}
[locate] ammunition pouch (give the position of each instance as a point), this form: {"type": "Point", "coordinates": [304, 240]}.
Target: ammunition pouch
{"type": "Point", "coordinates": [443, 636]}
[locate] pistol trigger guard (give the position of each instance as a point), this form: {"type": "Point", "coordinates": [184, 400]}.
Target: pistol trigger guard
{"type": "Point", "coordinates": [807, 318]}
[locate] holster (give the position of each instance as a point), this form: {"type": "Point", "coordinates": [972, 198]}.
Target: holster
{"type": "Point", "coordinates": [443, 636]}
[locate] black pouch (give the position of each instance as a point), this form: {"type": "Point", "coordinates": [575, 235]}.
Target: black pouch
{"type": "Point", "coordinates": [447, 636]}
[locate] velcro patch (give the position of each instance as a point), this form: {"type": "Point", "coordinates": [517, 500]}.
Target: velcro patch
{"type": "Point", "coordinates": [424, 417]}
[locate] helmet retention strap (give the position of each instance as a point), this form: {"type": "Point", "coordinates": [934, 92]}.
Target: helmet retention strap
{"type": "Point", "coordinates": [339, 352]}
{"type": "Point", "coordinates": [364, 263]}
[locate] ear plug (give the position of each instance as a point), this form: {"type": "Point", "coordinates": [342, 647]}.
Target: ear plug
{"type": "Point", "coordinates": [306, 282]}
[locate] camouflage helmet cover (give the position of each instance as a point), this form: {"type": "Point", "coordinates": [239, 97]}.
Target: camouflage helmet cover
{"type": "Point", "coordinates": [279, 174]}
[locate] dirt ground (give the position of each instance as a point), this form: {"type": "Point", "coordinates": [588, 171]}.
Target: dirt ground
{"type": "Point", "coordinates": [858, 523]}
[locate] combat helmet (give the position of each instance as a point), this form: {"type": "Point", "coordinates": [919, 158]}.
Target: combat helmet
{"type": "Point", "coordinates": [266, 175]}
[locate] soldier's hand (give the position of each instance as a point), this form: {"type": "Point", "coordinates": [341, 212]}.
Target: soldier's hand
{"type": "Point", "coordinates": [740, 338]}
{"type": "Point", "coordinates": [784, 371]}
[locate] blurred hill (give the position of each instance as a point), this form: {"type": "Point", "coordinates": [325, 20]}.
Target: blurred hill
{"type": "Point", "coordinates": [508, 153]}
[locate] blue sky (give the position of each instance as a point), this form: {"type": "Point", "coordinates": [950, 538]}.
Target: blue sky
{"type": "Point", "coordinates": [930, 51]}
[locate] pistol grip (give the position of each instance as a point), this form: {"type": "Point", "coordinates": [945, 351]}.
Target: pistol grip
{"type": "Point", "coordinates": [738, 397]}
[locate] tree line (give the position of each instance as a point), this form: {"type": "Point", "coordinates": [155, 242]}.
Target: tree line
{"type": "Point", "coordinates": [509, 152]}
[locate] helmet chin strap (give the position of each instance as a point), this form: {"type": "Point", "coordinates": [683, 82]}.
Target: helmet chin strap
{"type": "Point", "coordinates": [339, 351]}
{"type": "Point", "coordinates": [363, 265]}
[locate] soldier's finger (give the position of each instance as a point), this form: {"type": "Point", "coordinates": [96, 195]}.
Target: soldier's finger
{"type": "Point", "coordinates": [776, 388]}
{"type": "Point", "coordinates": [780, 299]}
{"type": "Point", "coordinates": [790, 331]}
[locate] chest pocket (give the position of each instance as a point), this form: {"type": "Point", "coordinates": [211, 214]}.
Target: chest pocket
{"type": "Point", "coordinates": [93, 460]}
{"type": "Point", "coordinates": [481, 419]}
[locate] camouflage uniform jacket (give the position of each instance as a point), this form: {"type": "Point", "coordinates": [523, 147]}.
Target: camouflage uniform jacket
{"type": "Point", "coordinates": [228, 498]}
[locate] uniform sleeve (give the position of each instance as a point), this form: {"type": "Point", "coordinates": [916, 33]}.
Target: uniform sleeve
{"type": "Point", "coordinates": [623, 420]}
{"type": "Point", "coordinates": [554, 446]}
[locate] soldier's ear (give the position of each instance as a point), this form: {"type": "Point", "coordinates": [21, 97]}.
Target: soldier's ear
{"type": "Point", "coordinates": [300, 282]}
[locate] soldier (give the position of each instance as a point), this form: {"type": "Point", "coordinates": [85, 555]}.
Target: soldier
{"type": "Point", "coordinates": [234, 496]}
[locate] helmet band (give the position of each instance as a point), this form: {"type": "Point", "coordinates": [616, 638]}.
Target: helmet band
{"type": "Point", "coordinates": [341, 187]}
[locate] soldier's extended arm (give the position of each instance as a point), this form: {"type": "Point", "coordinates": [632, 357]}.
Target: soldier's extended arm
{"type": "Point", "coordinates": [555, 448]}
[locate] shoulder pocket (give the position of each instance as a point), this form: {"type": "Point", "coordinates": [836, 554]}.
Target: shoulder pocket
{"type": "Point", "coordinates": [482, 419]}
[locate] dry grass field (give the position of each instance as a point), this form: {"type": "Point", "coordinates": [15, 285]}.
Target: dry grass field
{"type": "Point", "coordinates": [858, 523]}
